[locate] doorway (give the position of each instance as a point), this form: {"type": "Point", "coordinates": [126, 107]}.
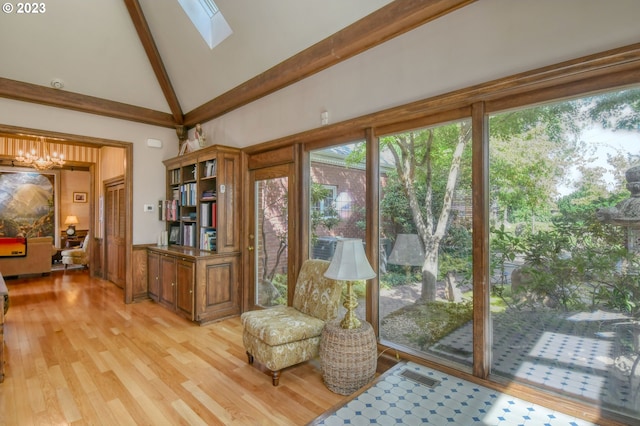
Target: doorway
{"type": "Point", "coordinates": [269, 236]}
{"type": "Point", "coordinates": [115, 231]}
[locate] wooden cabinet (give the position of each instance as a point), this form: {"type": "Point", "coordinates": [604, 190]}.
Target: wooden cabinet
{"type": "Point", "coordinates": [168, 274]}
{"type": "Point", "coordinates": [153, 274]}
{"type": "Point", "coordinates": [185, 275]}
{"type": "Point", "coordinates": [171, 279]}
{"type": "Point", "coordinates": [197, 275]}
{"type": "Point", "coordinates": [203, 200]}
{"type": "Point", "coordinates": [196, 284]}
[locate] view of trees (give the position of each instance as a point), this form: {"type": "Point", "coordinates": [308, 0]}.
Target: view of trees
{"type": "Point", "coordinates": [557, 175]}
{"type": "Point", "coordinates": [432, 165]}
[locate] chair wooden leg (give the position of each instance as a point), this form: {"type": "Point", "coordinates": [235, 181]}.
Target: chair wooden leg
{"type": "Point", "coordinates": [275, 377]}
{"type": "Point", "coordinates": [249, 358]}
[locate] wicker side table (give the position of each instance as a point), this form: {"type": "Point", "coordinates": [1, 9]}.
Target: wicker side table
{"type": "Point", "coordinates": [348, 357]}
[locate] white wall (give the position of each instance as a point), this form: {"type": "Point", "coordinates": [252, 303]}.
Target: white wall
{"type": "Point", "coordinates": [481, 42]}
{"type": "Point", "coordinates": [487, 40]}
{"type": "Point", "coordinates": [148, 170]}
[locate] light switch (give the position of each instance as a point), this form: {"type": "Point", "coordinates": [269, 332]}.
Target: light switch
{"type": "Point", "coordinates": [148, 207]}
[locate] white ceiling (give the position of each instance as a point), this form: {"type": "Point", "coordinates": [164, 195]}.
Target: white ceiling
{"type": "Point", "coordinates": [93, 47]}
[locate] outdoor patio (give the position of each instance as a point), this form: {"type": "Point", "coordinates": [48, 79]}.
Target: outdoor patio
{"type": "Point", "coordinates": [572, 353]}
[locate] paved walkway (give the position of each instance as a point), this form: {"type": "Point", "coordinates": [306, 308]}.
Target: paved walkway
{"type": "Point", "coordinates": [580, 353]}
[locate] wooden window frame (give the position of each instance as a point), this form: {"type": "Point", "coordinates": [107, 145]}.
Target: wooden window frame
{"type": "Point", "coordinates": [616, 68]}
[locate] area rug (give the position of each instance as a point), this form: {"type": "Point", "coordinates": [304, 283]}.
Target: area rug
{"type": "Point", "coordinates": [412, 394]}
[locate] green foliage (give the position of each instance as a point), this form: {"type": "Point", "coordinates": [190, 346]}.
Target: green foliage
{"type": "Point", "coordinates": [621, 291]}
{"type": "Point", "coordinates": [280, 283]}
{"type": "Point", "coordinates": [615, 110]}
{"type": "Point", "coordinates": [571, 266]}
{"type": "Point", "coordinates": [395, 209]}
{"type": "Point", "coordinates": [504, 249]}
{"type": "Point", "coordinates": [397, 276]}
{"type": "Point", "coordinates": [435, 320]}
{"type": "Point", "coordinates": [327, 218]}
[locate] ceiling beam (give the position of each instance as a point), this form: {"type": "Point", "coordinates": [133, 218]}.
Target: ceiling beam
{"type": "Point", "coordinates": [390, 21]}
{"type": "Point", "coordinates": [384, 24]}
{"type": "Point", "coordinates": [28, 92]}
{"type": "Point", "coordinates": [146, 38]}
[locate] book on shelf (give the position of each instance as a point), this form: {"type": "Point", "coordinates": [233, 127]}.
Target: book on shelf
{"type": "Point", "coordinates": [162, 210]}
{"type": "Point", "coordinates": [210, 168]}
{"type": "Point", "coordinates": [169, 210]}
{"type": "Point", "coordinates": [209, 194]}
{"type": "Point", "coordinates": [188, 194]}
{"type": "Point", "coordinates": [207, 239]}
{"type": "Point", "coordinates": [174, 176]}
{"type": "Point", "coordinates": [208, 214]}
{"type": "Point", "coordinates": [188, 234]}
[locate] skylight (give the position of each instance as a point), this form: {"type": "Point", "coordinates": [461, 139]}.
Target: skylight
{"type": "Point", "coordinates": [208, 19]}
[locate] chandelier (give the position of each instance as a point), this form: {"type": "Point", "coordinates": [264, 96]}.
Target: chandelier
{"type": "Point", "coordinates": [40, 162]}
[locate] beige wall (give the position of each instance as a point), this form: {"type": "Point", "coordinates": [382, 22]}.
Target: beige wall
{"type": "Point", "coordinates": [70, 182]}
{"type": "Point", "coordinates": [481, 42]}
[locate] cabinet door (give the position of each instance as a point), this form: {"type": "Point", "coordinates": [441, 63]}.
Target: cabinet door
{"type": "Point", "coordinates": [153, 274]}
{"type": "Point", "coordinates": [218, 289]}
{"type": "Point", "coordinates": [115, 233]}
{"type": "Point", "coordinates": [168, 281]}
{"type": "Point", "coordinates": [185, 272]}
{"type": "Point", "coordinates": [228, 239]}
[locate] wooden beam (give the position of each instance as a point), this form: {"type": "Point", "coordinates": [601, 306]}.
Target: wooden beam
{"type": "Point", "coordinates": [395, 19]}
{"type": "Point", "coordinates": [28, 92]}
{"type": "Point", "coordinates": [146, 38]}
{"type": "Point", "coordinates": [390, 21]}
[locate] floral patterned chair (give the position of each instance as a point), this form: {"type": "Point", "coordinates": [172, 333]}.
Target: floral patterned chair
{"type": "Point", "coordinates": [77, 256]}
{"type": "Point", "coordinates": [283, 336]}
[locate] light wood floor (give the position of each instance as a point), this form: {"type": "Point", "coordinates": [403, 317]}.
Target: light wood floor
{"type": "Point", "coordinates": [76, 354]}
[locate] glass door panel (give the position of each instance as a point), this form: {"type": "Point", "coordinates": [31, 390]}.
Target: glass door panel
{"type": "Point", "coordinates": [270, 237]}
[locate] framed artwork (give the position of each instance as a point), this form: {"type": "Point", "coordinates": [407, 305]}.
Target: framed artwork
{"type": "Point", "coordinates": [28, 203]}
{"type": "Point", "coordinates": [13, 246]}
{"type": "Point", "coordinates": [174, 235]}
{"type": "Point", "coordinates": [79, 197]}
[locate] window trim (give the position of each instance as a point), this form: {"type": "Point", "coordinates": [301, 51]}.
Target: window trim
{"type": "Point", "coordinates": [609, 70]}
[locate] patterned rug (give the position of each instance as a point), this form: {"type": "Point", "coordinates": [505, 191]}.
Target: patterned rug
{"type": "Point", "coordinates": [412, 394]}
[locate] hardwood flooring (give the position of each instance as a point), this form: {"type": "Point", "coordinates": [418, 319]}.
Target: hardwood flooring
{"type": "Point", "coordinates": [76, 354]}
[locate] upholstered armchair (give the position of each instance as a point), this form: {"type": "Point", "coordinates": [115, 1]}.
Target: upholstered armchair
{"type": "Point", "coordinates": [77, 256]}
{"type": "Point", "coordinates": [283, 336]}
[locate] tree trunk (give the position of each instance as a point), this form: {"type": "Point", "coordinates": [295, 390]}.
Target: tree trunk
{"type": "Point", "coordinates": [430, 274]}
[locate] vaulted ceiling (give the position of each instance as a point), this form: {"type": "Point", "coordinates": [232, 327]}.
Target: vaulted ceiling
{"type": "Point", "coordinates": [143, 60]}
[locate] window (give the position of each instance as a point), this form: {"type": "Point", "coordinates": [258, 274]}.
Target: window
{"type": "Point", "coordinates": [208, 20]}
{"type": "Point", "coordinates": [338, 192]}
{"type": "Point", "coordinates": [323, 198]}
{"type": "Point", "coordinates": [425, 295]}
{"type": "Point", "coordinates": [565, 286]}
{"type": "Point", "coordinates": [532, 197]}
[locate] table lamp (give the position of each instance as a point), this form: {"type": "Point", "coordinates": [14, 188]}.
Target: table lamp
{"type": "Point", "coordinates": [71, 221]}
{"type": "Point", "coordinates": [350, 263]}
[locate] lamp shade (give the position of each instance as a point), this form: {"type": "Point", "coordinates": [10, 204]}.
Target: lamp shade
{"type": "Point", "coordinates": [407, 251]}
{"type": "Point", "coordinates": [349, 262]}
{"type": "Point", "coordinates": [71, 220]}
